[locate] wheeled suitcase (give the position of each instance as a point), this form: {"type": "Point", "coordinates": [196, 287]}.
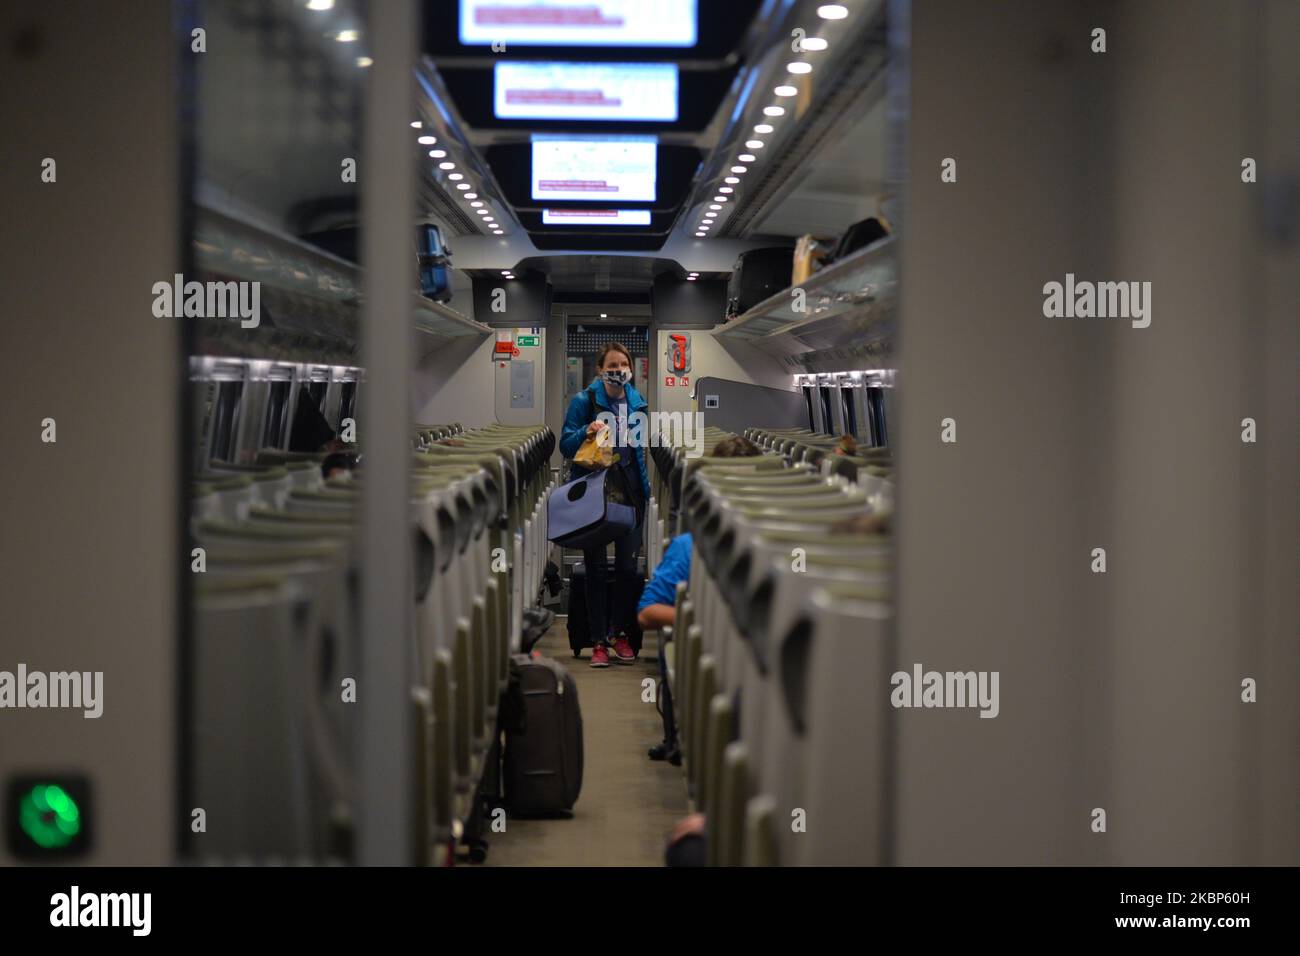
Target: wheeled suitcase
{"type": "Point", "coordinates": [580, 627]}
{"type": "Point", "coordinates": [543, 760]}
{"type": "Point", "coordinates": [757, 275]}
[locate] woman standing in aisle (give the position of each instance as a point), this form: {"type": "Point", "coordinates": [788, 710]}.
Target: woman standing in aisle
{"type": "Point", "coordinates": [611, 393]}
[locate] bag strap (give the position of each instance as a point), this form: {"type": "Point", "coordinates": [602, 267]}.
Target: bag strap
{"type": "Point", "coordinates": [591, 409]}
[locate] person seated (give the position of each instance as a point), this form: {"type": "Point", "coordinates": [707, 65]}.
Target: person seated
{"type": "Point", "coordinates": [735, 446]}
{"type": "Point", "coordinates": [881, 522]}
{"type": "Point", "coordinates": [848, 446]}
{"type": "Point", "coordinates": [656, 609]}
{"type": "Point", "coordinates": [686, 846]}
{"type": "Point", "coordinates": [310, 431]}
{"type": "Point", "coordinates": [337, 464]}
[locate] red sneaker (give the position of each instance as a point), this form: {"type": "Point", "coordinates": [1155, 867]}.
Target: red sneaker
{"type": "Point", "coordinates": [623, 651]}
{"type": "Point", "coordinates": [599, 656]}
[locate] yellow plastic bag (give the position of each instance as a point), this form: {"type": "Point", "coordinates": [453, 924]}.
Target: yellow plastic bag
{"type": "Point", "coordinates": [595, 454]}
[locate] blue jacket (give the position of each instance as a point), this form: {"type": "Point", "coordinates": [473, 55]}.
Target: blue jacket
{"type": "Point", "coordinates": [675, 566]}
{"type": "Point", "coordinates": [577, 419]}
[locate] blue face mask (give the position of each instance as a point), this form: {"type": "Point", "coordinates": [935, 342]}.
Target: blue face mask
{"type": "Point", "coordinates": [618, 376]}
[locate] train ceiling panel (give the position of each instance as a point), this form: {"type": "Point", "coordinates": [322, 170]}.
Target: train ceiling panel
{"type": "Point", "coordinates": [605, 69]}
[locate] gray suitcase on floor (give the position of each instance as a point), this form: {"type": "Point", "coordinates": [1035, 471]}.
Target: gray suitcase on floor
{"type": "Point", "coordinates": [543, 760]}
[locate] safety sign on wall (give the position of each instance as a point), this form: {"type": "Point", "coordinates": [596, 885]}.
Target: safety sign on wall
{"type": "Point", "coordinates": [679, 353]}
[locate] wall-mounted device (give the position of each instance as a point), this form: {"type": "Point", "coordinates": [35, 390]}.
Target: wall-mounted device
{"type": "Point", "coordinates": [679, 353]}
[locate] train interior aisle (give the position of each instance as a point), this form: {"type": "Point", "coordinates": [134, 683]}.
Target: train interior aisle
{"type": "Point", "coordinates": [629, 805]}
{"type": "Point", "coordinates": [512, 451]}
{"type": "Point", "coordinates": [697, 201]}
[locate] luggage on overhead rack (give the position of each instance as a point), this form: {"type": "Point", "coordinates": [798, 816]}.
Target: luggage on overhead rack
{"type": "Point", "coordinates": [757, 275]}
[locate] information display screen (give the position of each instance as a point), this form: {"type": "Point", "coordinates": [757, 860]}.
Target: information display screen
{"type": "Point", "coordinates": [637, 23]}
{"type": "Point", "coordinates": [600, 168]}
{"type": "Point", "coordinates": [586, 91]}
{"type": "Point", "coordinates": [595, 217]}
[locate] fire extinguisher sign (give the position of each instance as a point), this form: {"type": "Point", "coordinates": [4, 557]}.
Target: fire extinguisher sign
{"type": "Point", "coordinates": [670, 380]}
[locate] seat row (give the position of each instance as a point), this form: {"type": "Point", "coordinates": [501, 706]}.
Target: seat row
{"type": "Point", "coordinates": [782, 634]}
{"type": "Point", "coordinates": [275, 665]}
{"type": "Point", "coordinates": [666, 465]}
{"type": "Point", "coordinates": [870, 468]}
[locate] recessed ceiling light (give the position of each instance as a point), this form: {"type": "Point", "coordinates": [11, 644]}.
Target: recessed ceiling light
{"type": "Point", "coordinates": [692, 273]}
{"type": "Point", "coordinates": [785, 91]}
{"type": "Point", "coordinates": [763, 128]}
{"type": "Point", "coordinates": [416, 124]}
{"type": "Point", "coordinates": [700, 235]}
{"type": "Point", "coordinates": [447, 165]}
{"type": "Point", "coordinates": [690, 278]}
{"type": "Point", "coordinates": [476, 204]}
{"type": "Point", "coordinates": [815, 44]}
{"type": "Point", "coordinates": [505, 272]}
{"type": "Point", "coordinates": [489, 219]}
{"type": "Point", "coordinates": [461, 185]}
{"type": "Point", "coordinates": [710, 215]}
{"type": "Point", "coordinates": [832, 11]}
{"type": "Point", "coordinates": [773, 110]}
{"type": "Point", "coordinates": [497, 232]}
{"type": "Point", "coordinates": [604, 316]}
{"type": "Point", "coordinates": [320, 4]}
{"type": "Point", "coordinates": [746, 157]}
{"type": "Point", "coordinates": [739, 169]}
{"type": "Point", "coordinates": [725, 189]}
{"type": "Point", "coordinates": [715, 206]}
{"type": "Point", "coordinates": [471, 195]}
{"type": "Point", "coordinates": [732, 179]}
{"type": "Point", "coordinates": [483, 212]}
{"type": "Point", "coordinates": [753, 144]}
{"type": "Point", "coordinates": [365, 61]}
{"type": "Point", "coordinates": [798, 67]}
{"type": "Point", "coordinates": [427, 140]}
{"type": "Point", "coordinates": [347, 36]}
{"type": "Point", "coordinates": [437, 153]}
{"type": "Point", "coordinates": [457, 176]}
{"type": "Point", "coordinates": [719, 198]}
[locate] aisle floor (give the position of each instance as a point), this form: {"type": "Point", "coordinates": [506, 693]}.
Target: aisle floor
{"type": "Point", "coordinates": [629, 803]}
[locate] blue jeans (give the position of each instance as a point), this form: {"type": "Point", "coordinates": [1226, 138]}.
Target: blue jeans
{"type": "Point", "coordinates": [601, 619]}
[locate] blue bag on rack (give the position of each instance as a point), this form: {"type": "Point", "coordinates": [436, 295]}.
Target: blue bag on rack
{"type": "Point", "coordinates": [591, 511]}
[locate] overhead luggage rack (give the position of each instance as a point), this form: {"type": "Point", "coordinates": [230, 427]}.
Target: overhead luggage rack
{"type": "Point", "coordinates": [436, 318]}
{"type": "Point", "coordinates": [858, 293]}
{"type": "Point", "coordinates": [310, 299]}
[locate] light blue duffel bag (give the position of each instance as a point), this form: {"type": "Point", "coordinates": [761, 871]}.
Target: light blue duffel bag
{"type": "Point", "coordinates": [590, 511]}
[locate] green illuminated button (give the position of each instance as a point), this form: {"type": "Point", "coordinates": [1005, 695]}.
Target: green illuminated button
{"type": "Point", "coordinates": [49, 816]}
